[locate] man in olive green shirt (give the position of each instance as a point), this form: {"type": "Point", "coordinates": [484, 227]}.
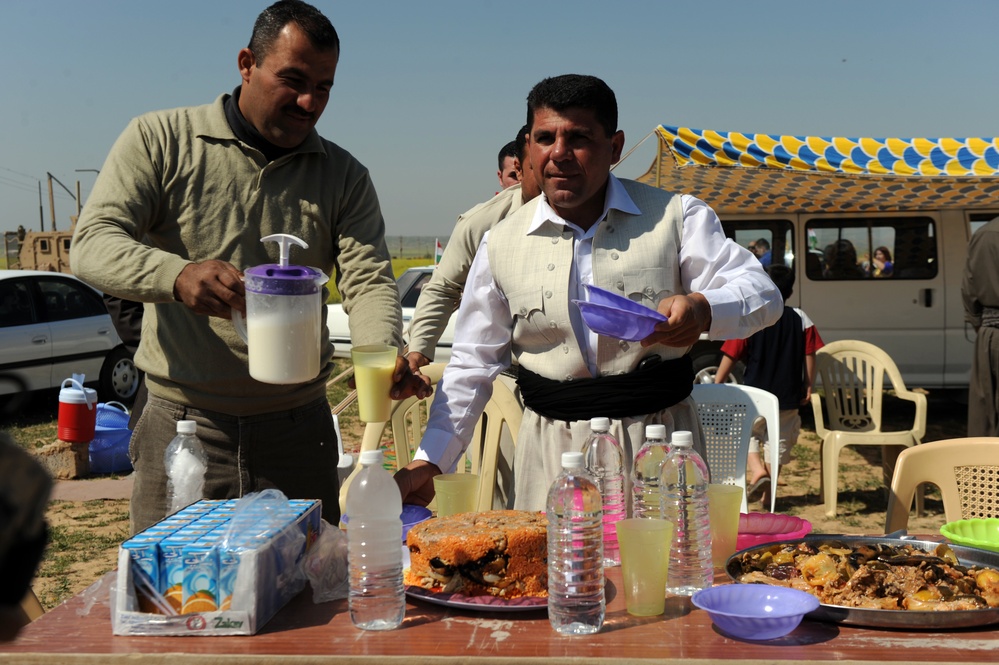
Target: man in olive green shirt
{"type": "Point", "coordinates": [201, 186]}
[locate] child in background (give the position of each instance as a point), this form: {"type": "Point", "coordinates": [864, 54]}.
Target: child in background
{"type": "Point", "coordinates": [781, 360]}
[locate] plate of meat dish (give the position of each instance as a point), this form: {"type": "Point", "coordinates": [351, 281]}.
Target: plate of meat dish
{"type": "Point", "coordinates": [879, 582]}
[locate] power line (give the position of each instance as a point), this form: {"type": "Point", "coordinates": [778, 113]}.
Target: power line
{"type": "Point", "coordinates": [17, 185]}
{"type": "Point", "coordinates": [23, 175]}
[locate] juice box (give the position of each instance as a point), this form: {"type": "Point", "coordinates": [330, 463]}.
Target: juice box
{"type": "Point", "coordinates": [228, 570]}
{"type": "Point", "coordinates": [201, 578]}
{"type": "Point", "coordinates": [171, 582]}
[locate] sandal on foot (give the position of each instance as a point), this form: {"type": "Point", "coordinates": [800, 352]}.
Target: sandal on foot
{"type": "Point", "coordinates": [755, 491]}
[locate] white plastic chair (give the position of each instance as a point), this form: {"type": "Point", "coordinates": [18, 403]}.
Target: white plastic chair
{"type": "Point", "coordinates": [727, 412]}
{"type": "Point", "coordinates": [409, 417]}
{"type": "Point", "coordinates": [407, 420]}
{"type": "Point", "coordinates": [852, 375]}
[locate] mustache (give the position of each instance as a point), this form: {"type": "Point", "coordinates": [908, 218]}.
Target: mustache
{"type": "Point", "coordinates": [291, 109]}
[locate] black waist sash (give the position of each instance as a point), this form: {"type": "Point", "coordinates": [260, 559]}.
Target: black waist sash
{"type": "Point", "coordinates": [646, 390]}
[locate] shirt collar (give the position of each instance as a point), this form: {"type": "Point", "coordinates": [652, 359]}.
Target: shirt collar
{"type": "Point", "coordinates": [217, 127]}
{"type": "Point", "coordinates": [617, 198]}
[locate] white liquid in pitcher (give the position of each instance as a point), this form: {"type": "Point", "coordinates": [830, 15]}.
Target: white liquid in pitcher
{"type": "Point", "coordinates": [283, 349]}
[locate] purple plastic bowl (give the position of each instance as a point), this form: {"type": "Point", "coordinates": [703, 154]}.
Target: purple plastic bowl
{"type": "Point", "coordinates": [618, 323]}
{"type": "Point", "coordinates": [600, 296]}
{"type": "Point", "coordinates": [411, 516]}
{"type": "Point", "coordinates": [755, 611]}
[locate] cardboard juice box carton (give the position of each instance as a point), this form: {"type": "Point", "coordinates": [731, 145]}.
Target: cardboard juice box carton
{"type": "Point", "coordinates": [218, 586]}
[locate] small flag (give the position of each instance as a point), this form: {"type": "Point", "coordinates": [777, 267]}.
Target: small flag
{"type": "Point", "coordinates": [438, 252]}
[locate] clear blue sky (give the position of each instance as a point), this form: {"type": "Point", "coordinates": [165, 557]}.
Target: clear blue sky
{"type": "Point", "coordinates": [427, 92]}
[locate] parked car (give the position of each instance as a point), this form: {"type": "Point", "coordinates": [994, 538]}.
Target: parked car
{"type": "Point", "coordinates": [52, 326]}
{"type": "Point", "coordinates": [411, 283]}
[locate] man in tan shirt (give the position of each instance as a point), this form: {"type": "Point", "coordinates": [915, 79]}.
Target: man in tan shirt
{"type": "Point", "coordinates": [201, 186]}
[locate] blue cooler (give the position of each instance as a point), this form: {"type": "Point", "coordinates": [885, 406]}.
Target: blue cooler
{"type": "Point", "coordinates": [109, 449]}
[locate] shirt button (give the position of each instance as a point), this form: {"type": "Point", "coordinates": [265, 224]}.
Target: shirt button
{"type": "Point", "coordinates": [523, 311]}
{"type": "Point", "coordinates": [614, 256]}
{"type": "Point", "coordinates": [555, 240]}
{"type": "Point", "coordinates": [548, 294]}
{"type": "Point", "coordinates": [553, 324]}
{"type": "Point", "coordinates": [624, 345]}
{"type": "Point", "coordinates": [568, 377]}
{"type": "Point", "coordinates": [565, 349]}
{"type": "Point", "coordinates": [649, 292]}
{"type": "Point", "coordinates": [620, 285]}
{"type": "Point", "coordinates": [610, 229]}
{"type": "Point", "coordinates": [551, 266]}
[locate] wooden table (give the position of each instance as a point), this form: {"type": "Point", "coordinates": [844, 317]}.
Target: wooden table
{"type": "Point", "coordinates": [304, 632]}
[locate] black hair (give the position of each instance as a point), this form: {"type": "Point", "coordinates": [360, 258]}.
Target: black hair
{"type": "Point", "coordinates": [568, 91]}
{"type": "Point", "coordinates": [321, 33]}
{"type": "Point", "coordinates": [783, 278]}
{"type": "Point", "coordinates": [508, 150]}
{"type": "Point", "coordinates": [764, 243]}
{"type": "Point", "coordinates": [521, 142]}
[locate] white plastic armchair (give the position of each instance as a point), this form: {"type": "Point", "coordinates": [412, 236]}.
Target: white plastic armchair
{"type": "Point", "coordinates": [852, 378]}
{"type": "Point", "coordinates": [727, 412]}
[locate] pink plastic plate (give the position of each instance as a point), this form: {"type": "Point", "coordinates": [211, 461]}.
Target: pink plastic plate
{"type": "Point", "coordinates": [761, 528]}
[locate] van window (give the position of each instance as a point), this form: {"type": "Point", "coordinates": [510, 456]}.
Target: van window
{"type": "Point", "coordinates": [871, 248]}
{"type": "Point", "coordinates": [772, 240]}
{"type": "Point", "coordinates": [977, 220]}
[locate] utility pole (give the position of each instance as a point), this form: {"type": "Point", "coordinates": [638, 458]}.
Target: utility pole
{"type": "Point", "coordinates": [51, 201]}
{"type": "Point", "coordinates": [52, 197]}
{"type": "Point", "coordinates": [79, 198]}
{"type": "Point", "coordinates": [41, 210]}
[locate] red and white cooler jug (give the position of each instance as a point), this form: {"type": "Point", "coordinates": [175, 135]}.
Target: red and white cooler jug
{"type": "Point", "coordinates": [77, 411]}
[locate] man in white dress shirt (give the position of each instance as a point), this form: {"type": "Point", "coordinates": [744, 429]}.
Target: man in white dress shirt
{"type": "Point", "coordinates": [665, 250]}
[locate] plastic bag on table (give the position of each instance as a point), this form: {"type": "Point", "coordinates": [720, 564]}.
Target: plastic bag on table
{"type": "Point", "coordinates": [254, 517]}
{"type": "Point", "coordinates": [325, 564]}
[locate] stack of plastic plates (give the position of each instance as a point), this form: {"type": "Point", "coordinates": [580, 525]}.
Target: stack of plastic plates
{"type": "Point", "coordinates": [612, 315]}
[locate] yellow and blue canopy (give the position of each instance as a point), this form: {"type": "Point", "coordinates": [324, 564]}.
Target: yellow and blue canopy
{"type": "Point", "coordinates": [758, 173]}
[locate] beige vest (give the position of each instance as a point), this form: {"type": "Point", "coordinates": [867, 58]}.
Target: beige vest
{"type": "Point", "coordinates": [633, 255]}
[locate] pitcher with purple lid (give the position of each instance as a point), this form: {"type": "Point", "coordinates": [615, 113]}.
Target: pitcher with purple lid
{"type": "Point", "coordinates": [284, 321]}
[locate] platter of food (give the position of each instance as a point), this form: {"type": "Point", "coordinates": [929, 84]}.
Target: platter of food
{"type": "Point", "coordinates": [882, 582]}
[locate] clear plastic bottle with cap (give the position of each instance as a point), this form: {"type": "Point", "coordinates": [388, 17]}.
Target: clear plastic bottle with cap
{"type": "Point", "coordinates": [576, 602]}
{"type": "Point", "coordinates": [377, 598]}
{"type": "Point", "coordinates": [646, 472]}
{"type": "Point", "coordinates": [185, 464]}
{"type": "Point", "coordinates": [604, 460]}
{"type": "Point", "coordinates": [684, 483]}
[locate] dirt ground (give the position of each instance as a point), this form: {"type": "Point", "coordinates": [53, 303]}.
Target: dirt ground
{"type": "Point", "coordinates": [86, 535]}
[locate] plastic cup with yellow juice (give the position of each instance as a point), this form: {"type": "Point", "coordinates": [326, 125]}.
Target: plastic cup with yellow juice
{"type": "Point", "coordinates": [645, 545]}
{"type": "Point", "coordinates": [374, 365]}
{"type": "Point", "coordinates": [724, 502]}
{"type": "Point", "coordinates": [456, 493]}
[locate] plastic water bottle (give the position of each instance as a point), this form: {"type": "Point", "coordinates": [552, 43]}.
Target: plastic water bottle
{"type": "Point", "coordinates": [377, 598]}
{"type": "Point", "coordinates": [185, 464]}
{"type": "Point", "coordinates": [646, 472]}
{"type": "Point", "coordinates": [684, 484]}
{"type": "Point", "coordinates": [604, 461]}
{"type": "Point", "coordinates": [575, 550]}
